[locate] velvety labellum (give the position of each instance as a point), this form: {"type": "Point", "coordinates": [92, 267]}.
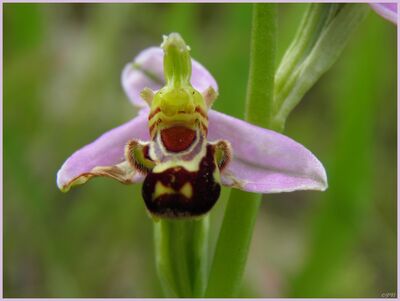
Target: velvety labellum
{"type": "Point", "coordinates": [177, 192]}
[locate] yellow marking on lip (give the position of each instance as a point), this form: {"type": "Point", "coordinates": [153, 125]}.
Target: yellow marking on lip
{"type": "Point", "coordinates": [161, 189]}
{"type": "Point", "coordinates": [187, 190]}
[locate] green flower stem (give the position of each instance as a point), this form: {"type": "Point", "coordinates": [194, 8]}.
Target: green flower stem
{"type": "Point", "coordinates": [241, 211]}
{"type": "Point", "coordinates": [233, 244]}
{"type": "Point", "coordinates": [260, 87]}
{"type": "Point", "coordinates": [181, 256]}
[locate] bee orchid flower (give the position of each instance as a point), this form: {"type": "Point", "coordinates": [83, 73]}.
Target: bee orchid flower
{"type": "Point", "coordinates": [181, 149]}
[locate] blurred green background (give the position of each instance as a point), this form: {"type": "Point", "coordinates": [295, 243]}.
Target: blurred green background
{"type": "Point", "coordinates": [62, 66]}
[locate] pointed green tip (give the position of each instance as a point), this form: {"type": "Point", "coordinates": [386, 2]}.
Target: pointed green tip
{"type": "Point", "coordinates": [174, 41]}
{"type": "Point", "coordinates": [177, 62]}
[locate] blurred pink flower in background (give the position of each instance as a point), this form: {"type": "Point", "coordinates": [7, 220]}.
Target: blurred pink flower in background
{"type": "Point", "coordinates": [386, 10]}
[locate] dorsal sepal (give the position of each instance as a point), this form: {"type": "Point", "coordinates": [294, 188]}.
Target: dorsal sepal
{"type": "Point", "coordinates": [177, 62]}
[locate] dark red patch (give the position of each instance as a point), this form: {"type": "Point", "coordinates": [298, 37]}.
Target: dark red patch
{"type": "Point", "coordinates": [177, 138]}
{"type": "Point", "coordinates": [204, 128]}
{"type": "Point", "coordinates": [205, 191]}
{"type": "Point", "coordinates": [146, 150]}
{"type": "Point", "coordinates": [201, 112]}
{"type": "Point", "coordinates": [151, 115]}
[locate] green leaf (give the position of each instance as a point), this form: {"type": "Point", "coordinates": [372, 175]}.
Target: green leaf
{"type": "Point", "coordinates": [322, 36]}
